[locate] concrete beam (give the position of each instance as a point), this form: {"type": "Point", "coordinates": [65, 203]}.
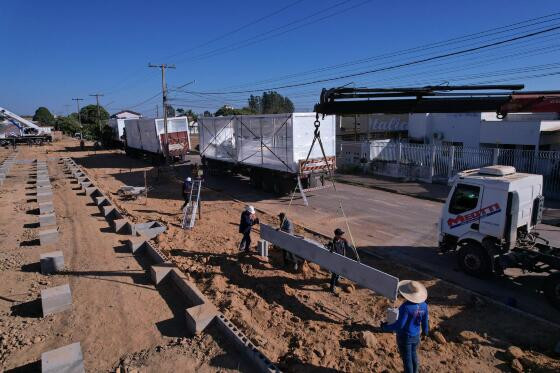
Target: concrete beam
{"type": "Point", "coordinates": [102, 201]}
{"type": "Point", "coordinates": [136, 244]}
{"type": "Point", "coordinates": [245, 346]}
{"type": "Point", "coordinates": [44, 197]}
{"type": "Point", "coordinates": [43, 183]}
{"type": "Point", "coordinates": [47, 220]}
{"type": "Point", "coordinates": [92, 192]}
{"type": "Point", "coordinates": [67, 359]}
{"type": "Point", "coordinates": [111, 213]}
{"type": "Point", "coordinates": [51, 262]}
{"type": "Point", "coordinates": [188, 288]}
{"type": "Point", "coordinates": [149, 229]}
{"type": "Point", "coordinates": [46, 208]}
{"type": "Point", "coordinates": [55, 300]}
{"type": "Point", "coordinates": [48, 236]}
{"type": "Point", "coordinates": [122, 226]}
{"type": "Point", "coordinates": [363, 275]}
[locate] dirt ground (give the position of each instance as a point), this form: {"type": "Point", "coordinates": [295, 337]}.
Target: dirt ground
{"type": "Point", "coordinates": [291, 315]}
{"type": "Point", "coordinates": [120, 318]}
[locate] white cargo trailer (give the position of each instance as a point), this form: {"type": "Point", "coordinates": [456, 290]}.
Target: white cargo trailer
{"type": "Point", "coordinates": [117, 125]}
{"type": "Point", "coordinates": [145, 136]}
{"type": "Point", "coordinates": [270, 149]}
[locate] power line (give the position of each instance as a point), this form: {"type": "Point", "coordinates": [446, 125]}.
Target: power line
{"type": "Point", "coordinates": [393, 67]}
{"type": "Point", "coordinates": [78, 104]}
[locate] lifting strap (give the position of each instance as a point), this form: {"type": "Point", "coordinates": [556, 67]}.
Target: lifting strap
{"type": "Point", "coordinates": [317, 139]}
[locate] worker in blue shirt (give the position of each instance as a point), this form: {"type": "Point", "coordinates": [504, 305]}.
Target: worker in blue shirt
{"type": "Point", "coordinates": [186, 191]}
{"type": "Point", "coordinates": [411, 323]}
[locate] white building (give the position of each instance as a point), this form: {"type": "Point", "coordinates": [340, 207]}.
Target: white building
{"type": "Point", "coordinates": [373, 126]}
{"type": "Point", "coordinates": [126, 114]}
{"type": "Point", "coordinates": [474, 130]}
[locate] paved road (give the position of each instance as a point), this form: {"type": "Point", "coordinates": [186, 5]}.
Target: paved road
{"type": "Point", "coordinates": [399, 228]}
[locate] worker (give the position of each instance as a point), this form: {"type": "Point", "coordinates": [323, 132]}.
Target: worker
{"type": "Point", "coordinates": [82, 144]}
{"type": "Point", "coordinates": [186, 190]}
{"type": "Point", "coordinates": [287, 226]}
{"type": "Point", "coordinates": [411, 322]}
{"type": "Point", "coordinates": [248, 219]}
{"type": "Point", "coordinates": [338, 245]}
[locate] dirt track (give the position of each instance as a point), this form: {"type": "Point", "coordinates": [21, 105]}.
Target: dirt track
{"type": "Point", "coordinates": [291, 316]}
{"type": "Point", "coordinates": [117, 314]}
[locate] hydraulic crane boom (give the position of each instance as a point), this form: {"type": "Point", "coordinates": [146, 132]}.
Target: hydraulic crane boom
{"type": "Point", "coordinates": [502, 99]}
{"type": "Point", "coordinates": [22, 121]}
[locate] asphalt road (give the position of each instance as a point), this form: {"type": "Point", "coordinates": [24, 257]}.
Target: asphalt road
{"type": "Point", "coordinates": [398, 228]}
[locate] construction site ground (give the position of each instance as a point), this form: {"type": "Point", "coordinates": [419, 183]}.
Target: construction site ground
{"type": "Point", "coordinates": [290, 315]}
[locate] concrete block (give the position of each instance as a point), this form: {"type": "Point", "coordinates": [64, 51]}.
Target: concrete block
{"type": "Point", "coordinates": [150, 229]}
{"type": "Point", "coordinates": [155, 254]}
{"type": "Point", "coordinates": [160, 271]}
{"type": "Point", "coordinates": [55, 300]}
{"type": "Point", "coordinates": [102, 201]}
{"type": "Point", "coordinates": [42, 180]}
{"type": "Point", "coordinates": [122, 226]}
{"type": "Point", "coordinates": [244, 345]}
{"type": "Point", "coordinates": [86, 184]}
{"type": "Point", "coordinates": [52, 262]}
{"type": "Point", "coordinates": [46, 220]}
{"type": "Point", "coordinates": [199, 317]}
{"type": "Point", "coordinates": [363, 275]}
{"type": "Point", "coordinates": [48, 236]}
{"type": "Point", "coordinates": [44, 197]}
{"type": "Point", "coordinates": [82, 178]}
{"type": "Point", "coordinates": [67, 359]}
{"type": "Point", "coordinates": [92, 192]}
{"type": "Point", "coordinates": [46, 208]}
{"type": "Point", "coordinates": [136, 244]}
{"type": "Point", "coordinates": [262, 248]}
{"type": "Point", "coordinates": [111, 213]}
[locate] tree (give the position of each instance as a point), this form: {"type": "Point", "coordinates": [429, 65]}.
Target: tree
{"type": "Point", "coordinates": [69, 125]}
{"type": "Point", "coordinates": [43, 116]}
{"type": "Point", "coordinates": [229, 110]}
{"type": "Point", "coordinates": [207, 114]}
{"type": "Point", "coordinates": [89, 114]}
{"type": "Point", "coordinates": [270, 103]}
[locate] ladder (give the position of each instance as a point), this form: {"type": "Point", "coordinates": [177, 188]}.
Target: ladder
{"type": "Point", "coordinates": [189, 213]}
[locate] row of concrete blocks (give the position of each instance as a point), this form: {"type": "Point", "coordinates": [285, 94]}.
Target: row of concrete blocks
{"type": "Point", "coordinates": [6, 167]}
{"type": "Point", "coordinates": [203, 312]}
{"type": "Point", "coordinates": [47, 217]}
{"type": "Point", "coordinates": [56, 299]}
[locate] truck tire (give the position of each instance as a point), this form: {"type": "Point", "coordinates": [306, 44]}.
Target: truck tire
{"type": "Point", "coordinates": [474, 260]}
{"type": "Point", "coordinates": [255, 180]}
{"type": "Point", "coordinates": [552, 289]}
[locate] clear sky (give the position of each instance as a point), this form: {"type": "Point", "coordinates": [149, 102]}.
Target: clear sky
{"type": "Point", "coordinates": [57, 50]}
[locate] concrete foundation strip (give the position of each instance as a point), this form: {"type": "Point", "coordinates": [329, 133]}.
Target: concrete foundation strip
{"type": "Point", "coordinates": [203, 312]}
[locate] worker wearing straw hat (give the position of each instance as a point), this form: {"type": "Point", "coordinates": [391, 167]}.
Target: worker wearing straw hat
{"type": "Point", "coordinates": [411, 323]}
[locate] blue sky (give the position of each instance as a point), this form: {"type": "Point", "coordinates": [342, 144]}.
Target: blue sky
{"type": "Point", "coordinates": [56, 50]}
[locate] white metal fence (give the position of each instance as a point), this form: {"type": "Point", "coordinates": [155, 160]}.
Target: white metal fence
{"type": "Point", "coordinates": [439, 163]}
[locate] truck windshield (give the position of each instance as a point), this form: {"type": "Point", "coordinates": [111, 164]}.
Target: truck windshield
{"type": "Point", "coordinates": [465, 198]}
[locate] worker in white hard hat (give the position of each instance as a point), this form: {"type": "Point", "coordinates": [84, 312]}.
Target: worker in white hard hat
{"type": "Point", "coordinates": [248, 219]}
{"type": "Point", "coordinates": [186, 190]}
{"type": "Point", "coordinates": [411, 323]}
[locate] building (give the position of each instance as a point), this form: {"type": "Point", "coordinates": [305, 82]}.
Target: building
{"type": "Point", "coordinates": [527, 131]}
{"type": "Point", "coordinates": [372, 127]}
{"type": "Point", "coordinates": [126, 114]}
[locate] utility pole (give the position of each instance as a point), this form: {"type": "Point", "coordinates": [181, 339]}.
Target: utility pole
{"type": "Point", "coordinates": [157, 111]}
{"type": "Point", "coordinates": [79, 115]}
{"type": "Point", "coordinates": [97, 95]}
{"type": "Point", "coordinates": [164, 94]}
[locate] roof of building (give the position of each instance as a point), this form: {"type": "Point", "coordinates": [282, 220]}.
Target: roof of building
{"type": "Point", "coordinates": [125, 111]}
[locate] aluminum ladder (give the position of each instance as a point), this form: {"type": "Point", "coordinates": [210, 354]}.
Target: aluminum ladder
{"type": "Point", "coordinates": [189, 215]}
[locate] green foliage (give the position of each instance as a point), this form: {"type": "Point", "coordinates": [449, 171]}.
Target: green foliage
{"type": "Point", "coordinates": [43, 116]}
{"type": "Point", "coordinates": [187, 113]}
{"type": "Point", "coordinates": [270, 103]}
{"type": "Point", "coordinates": [69, 125]}
{"type": "Point", "coordinates": [228, 110]}
{"type": "Point", "coordinates": [207, 114]}
{"type": "Point", "coordinates": [89, 114]}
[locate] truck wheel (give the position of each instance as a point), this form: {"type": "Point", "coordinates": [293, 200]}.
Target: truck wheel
{"type": "Point", "coordinates": [266, 184]}
{"type": "Point", "coordinates": [474, 260]}
{"type": "Point", "coordinates": [552, 289]}
{"type": "Point", "coordinates": [255, 180]}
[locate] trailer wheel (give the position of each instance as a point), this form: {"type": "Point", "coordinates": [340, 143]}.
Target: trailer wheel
{"type": "Point", "coordinates": [552, 289]}
{"type": "Point", "coordinates": [255, 180]}
{"type": "Point", "coordinates": [474, 260]}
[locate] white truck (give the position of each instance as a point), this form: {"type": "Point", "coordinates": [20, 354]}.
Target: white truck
{"type": "Point", "coordinates": [271, 149]}
{"type": "Point", "coordinates": [145, 137]}
{"type": "Point", "coordinates": [489, 218]}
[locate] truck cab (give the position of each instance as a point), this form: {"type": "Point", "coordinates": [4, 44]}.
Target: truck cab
{"type": "Point", "coordinates": [487, 212]}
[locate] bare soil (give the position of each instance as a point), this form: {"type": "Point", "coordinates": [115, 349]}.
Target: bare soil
{"type": "Point", "coordinates": [291, 315]}
{"type": "Point", "coordinates": [120, 318]}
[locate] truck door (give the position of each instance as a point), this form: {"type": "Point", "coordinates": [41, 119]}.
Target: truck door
{"type": "Point", "coordinates": [462, 212]}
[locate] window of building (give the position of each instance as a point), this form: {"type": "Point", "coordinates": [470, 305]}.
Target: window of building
{"type": "Point", "coordinates": [465, 198]}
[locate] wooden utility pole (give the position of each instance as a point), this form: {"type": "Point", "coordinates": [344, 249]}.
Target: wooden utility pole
{"type": "Point", "coordinates": [164, 94]}
{"type": "Point", "coordinates": [79, 115]}
{"type": "Point", "coordinates": [97, 95]}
